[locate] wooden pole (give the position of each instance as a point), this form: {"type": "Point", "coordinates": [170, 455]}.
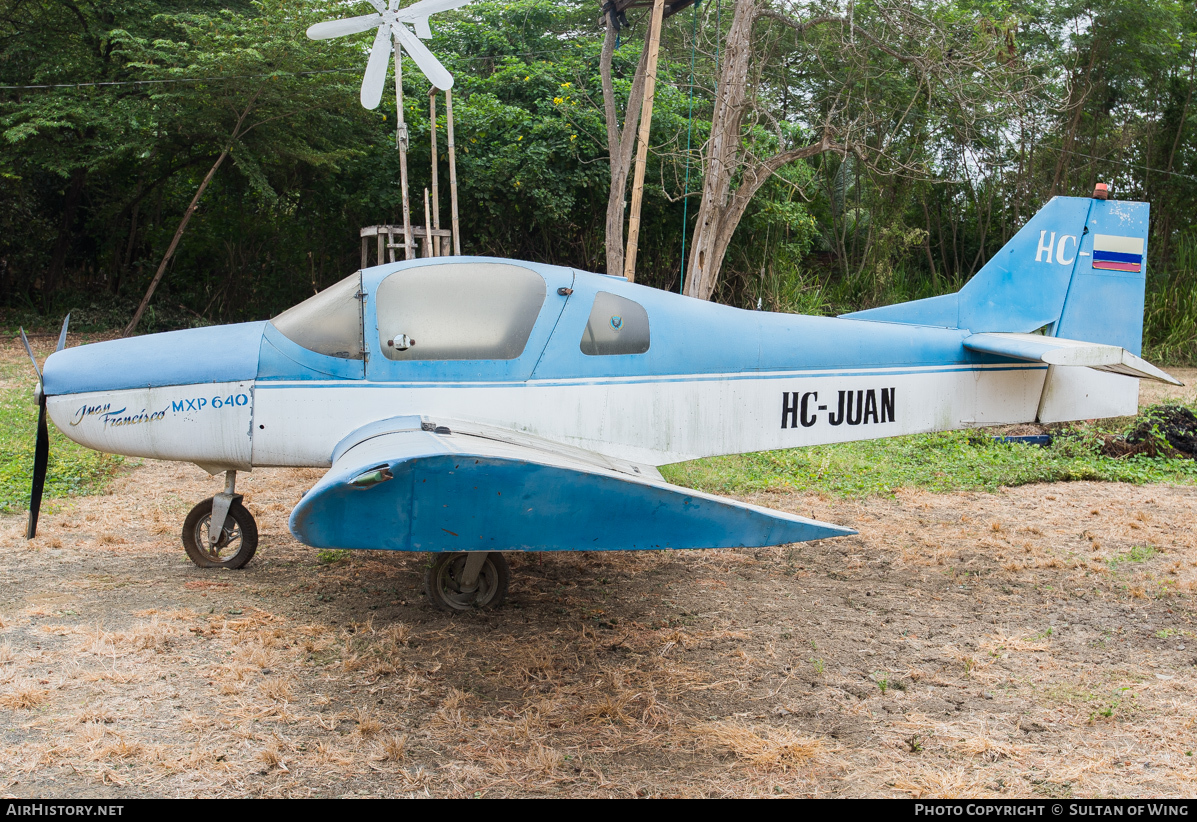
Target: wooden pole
{"type": "Point", "coordinates": [646, 118]}
{"type": "Point", "coordinates": [365, 252]}
{"type": "Point", "coordinates": [382, 254]}
{"type": "Point", "coordinates": [452, 172]}
{"type": "Point", "coordinates": [427, 226]}
{"type": "Point", "coordinates": [436, 198]}
{"type": "Point", "coordinates": [401, 144]}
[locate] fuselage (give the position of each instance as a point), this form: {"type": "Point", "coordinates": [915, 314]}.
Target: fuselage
{"type": "Point", "coordinates": [591, 361]}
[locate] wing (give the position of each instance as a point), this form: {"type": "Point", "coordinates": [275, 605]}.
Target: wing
{"type": "Point", "coordinates": [1058, 351]}
{"type": "Point", "coordinates": [397, 485]}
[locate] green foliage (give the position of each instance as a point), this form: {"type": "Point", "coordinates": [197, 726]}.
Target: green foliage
{"type": "Point", "coordinates": [1137, 553]}
{"type": "Point", "coordinates": [72, 469]}
{"type": "Point", "coordinates": [1170, 312]}
{"type": "Point", "coordinates": [943, 462]}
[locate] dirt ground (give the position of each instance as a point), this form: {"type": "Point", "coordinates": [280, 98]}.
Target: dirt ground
{"type": "Point", "coordinates": [1035, 642]}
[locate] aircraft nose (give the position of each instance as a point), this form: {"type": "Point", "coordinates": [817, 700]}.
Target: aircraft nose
{"type": "Point", "coordinates": [224, 353]}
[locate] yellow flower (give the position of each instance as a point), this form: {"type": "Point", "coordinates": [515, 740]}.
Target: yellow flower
{"type": "Point", "coordinates": [557, 101]}
{"type": "Point", "coordinates": [525, 78]}
{"type": "Point", "coordinates": [573, 137]}
{"type": "Point", "coordinates": [566, 85]}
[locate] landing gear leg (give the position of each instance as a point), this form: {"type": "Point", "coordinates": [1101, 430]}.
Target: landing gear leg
{"type": "Point", "coordinates": [219, 532]}
{"type": "Point", "coordinates": [467, 581]}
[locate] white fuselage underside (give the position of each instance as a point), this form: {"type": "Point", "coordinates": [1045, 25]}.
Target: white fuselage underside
{"type": "Point", "coordinates": [649, 420]}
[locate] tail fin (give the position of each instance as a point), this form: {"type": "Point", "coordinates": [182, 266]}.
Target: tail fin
{"type": "Point", "coordinates": [1075, 270]}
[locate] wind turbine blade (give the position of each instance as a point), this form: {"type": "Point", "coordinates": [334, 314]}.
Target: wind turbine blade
{"type": "Point", "coordinates": [62, 336]}
{"type": "Point", "coordinates": [437, 74]}
{"type": "Point", "coordinates": [339, 28]}
{"type": "Point", "coordinates": [378, 4]}
{"type": "Point", "coordinates": [426, 7]}
{"type": "Point", "coordinates": [376, 69]}
{"type": "Point", "coordinates": [423, 30]}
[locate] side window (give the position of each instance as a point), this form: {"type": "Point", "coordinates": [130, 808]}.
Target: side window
{"type": "Point", "coordinates": [466, 311]}
{"type": "Point", "coordinates": [616, 326]}
{"type": "Point", "coordinates": [329, 323]}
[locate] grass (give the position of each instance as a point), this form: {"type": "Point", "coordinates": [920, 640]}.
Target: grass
{"type": "Point", "coordinates": [1138, 553]}
{"type": "Point", "coordinates": [940, 463]}
{"type": "Point", "coordinates": [72, 468]}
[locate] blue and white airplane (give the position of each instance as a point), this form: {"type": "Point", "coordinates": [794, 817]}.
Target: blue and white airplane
{"type": "Point", "coordinates": [466, 406]}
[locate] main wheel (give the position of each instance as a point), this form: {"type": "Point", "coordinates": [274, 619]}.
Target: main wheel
{"type": "Point", "coordinates": [441, 581]}
{"type": "Point", "coordinates": [238, 540]}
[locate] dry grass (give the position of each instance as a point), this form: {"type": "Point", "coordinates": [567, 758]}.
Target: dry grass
{"type": "Point", "coordinates": [392, 748]}
{"type": "Point", "coordinates": [769, 748]}
{"type": "Point", "coordinates": [23, 697]}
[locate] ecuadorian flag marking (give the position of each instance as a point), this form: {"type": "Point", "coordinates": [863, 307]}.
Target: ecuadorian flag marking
{"type": "Point", "coordinates": [1114, 253]}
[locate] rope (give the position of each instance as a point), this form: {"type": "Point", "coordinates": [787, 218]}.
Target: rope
{"type": "Point", "coordinates": [681, 280]}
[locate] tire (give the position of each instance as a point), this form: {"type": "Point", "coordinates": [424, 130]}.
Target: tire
{"type": "Point", "coordinates": [237, 544]}
{"type": "Point", "coordinates": [440, 583]}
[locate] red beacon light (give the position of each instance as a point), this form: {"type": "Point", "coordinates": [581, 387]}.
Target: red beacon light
{"type": "Point", "coordinates": [1101, 191]}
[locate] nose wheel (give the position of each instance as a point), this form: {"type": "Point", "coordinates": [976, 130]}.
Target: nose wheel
{"type": "Point", "coordinates": [472, 581]}
{"type": "Point", "coordinates": [231, 541]}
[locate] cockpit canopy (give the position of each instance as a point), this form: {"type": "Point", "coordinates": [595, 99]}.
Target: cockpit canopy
{"type": "Point", "coordinates": [447, 311]}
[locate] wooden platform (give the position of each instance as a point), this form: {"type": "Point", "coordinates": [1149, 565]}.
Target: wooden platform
{"type": "Point", "coordinates": [389, 242]}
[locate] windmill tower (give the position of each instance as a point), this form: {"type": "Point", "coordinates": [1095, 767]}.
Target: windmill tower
{"type": "Point", "coordinates": [392, 33]}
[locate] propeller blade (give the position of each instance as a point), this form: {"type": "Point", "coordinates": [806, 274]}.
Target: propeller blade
{"type": "Point", "coordinates": [41, 456]}
{"type": "Point", "coordinates": [340, 28]}
{"type": "Point", "coordinates": [29, 351]}
{"type": "Point", "coordinates": [424, 8]}
{"type": "Point", "coordinates": [423, 30]}
{"type": "Point", "coordinates": [437, 74]}
{"type": "Point", "coordinates": [62, 334]}
{"type": "Point", "coordinates": [376, 69]}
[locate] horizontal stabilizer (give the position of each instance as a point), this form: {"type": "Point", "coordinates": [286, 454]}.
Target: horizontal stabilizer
{"type": "Point", "coordinates": [432, 488]}
{"type": "Point", "coordinates": [1058, 351]}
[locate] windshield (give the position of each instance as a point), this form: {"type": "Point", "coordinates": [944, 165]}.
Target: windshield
{"type": "Point", "coordinates": [329, 323]}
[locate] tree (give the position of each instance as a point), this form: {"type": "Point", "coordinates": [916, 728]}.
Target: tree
{"type": "Point", "coordinates": [953, 63]}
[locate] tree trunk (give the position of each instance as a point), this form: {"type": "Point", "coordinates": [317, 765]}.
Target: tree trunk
{"type": "Point", "coordinates": [1060, 178]}
{"type": "Point", "coordinates": [238, 133]}
{"type": "Point", "coordinates": [721, 209]}
{"type": "Point", "coordinates": [74, 193]}
{"type": "Point", "coordinates": [174, 243]}
{"type": "Point", "coordinates": [620, 144]}
{"type": "Point", "coordinates": [722, 156]}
